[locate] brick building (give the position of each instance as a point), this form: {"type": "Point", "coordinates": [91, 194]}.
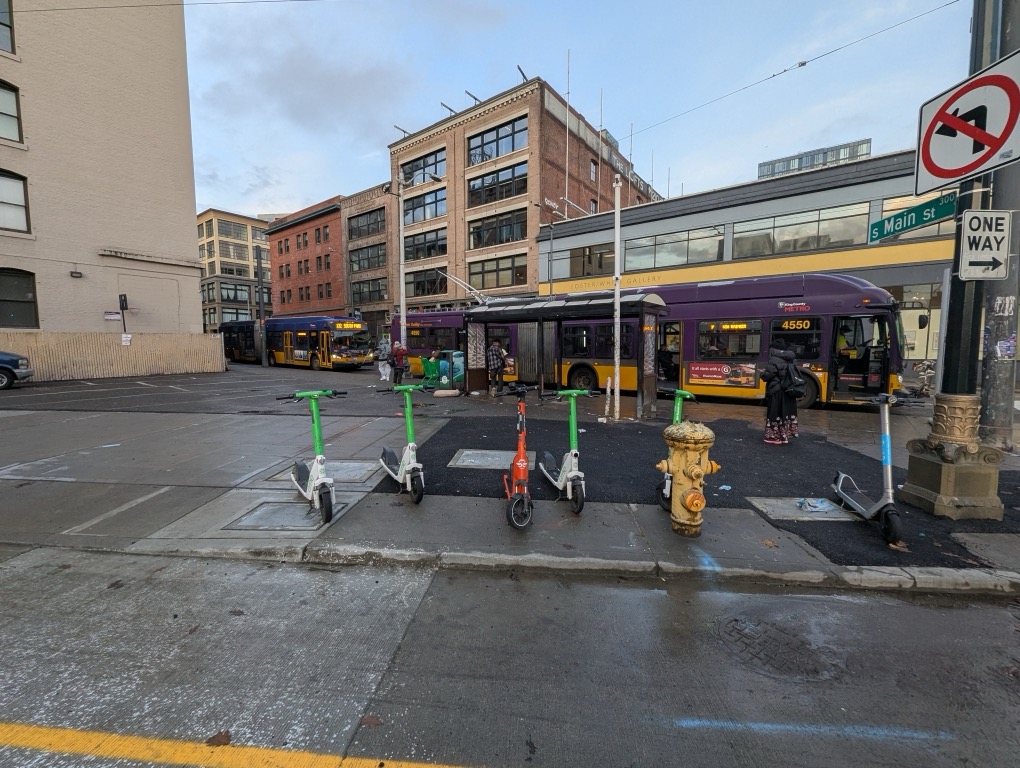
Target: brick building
{"type": "Point", "coordinates": [475, 186]}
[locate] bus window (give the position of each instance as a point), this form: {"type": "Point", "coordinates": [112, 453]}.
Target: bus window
{"type": "Point", "coordinates": [801, 334]}
{"type": "Point", "coordinates": [733, 339]}
{"type": "Point", "coordinates": [670, 336]}
{"type": "Point", "coordinates": [604, 341]}
{"type": "Point", "coordinates": [576, 341]}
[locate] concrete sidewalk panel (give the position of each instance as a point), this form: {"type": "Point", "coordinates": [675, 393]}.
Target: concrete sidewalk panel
{"type": "Point", "coordinates": [1001, 549]}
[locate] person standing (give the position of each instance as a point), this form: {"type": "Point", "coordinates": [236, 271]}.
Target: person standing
{"type": "Point", "coordinates": [399, 359]}
{"type": "Point", "coordinates": [495, 361]}
{"type": "Point", "coordinates": [382, 352]}
{"type": "Point", "coordinates": [777, 422]}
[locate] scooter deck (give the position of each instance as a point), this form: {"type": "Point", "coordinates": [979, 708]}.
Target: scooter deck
{"type": "Point", "coordinates": [859, 500]}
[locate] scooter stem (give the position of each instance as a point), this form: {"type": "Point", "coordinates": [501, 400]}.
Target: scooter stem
{"type": "Point", "coordinates": [572, 422]}
{"type": "Point", "coordinates": [313, 406]}
{"type": "Point", "coordinates": [887, 481]}
{"type": "Point", "coordinates": [408, 416]}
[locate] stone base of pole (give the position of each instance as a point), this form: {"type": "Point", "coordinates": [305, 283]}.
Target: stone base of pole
{"type": "Point", "coordinates": [949, 474]}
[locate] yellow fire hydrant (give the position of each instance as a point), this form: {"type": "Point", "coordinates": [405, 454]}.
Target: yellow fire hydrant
{"type": "Point", "coordinates": [688, 463]}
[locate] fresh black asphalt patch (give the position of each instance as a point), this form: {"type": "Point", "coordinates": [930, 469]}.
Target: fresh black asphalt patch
{"type": "Point", "coordinates": [619, 460]}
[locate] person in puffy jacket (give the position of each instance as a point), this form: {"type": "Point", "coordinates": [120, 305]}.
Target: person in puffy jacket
{"type": "Point", "coordinates": [780, 407]}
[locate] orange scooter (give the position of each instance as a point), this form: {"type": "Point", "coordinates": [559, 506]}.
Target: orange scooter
{"type": "Point", "coordinates": [519, 505]}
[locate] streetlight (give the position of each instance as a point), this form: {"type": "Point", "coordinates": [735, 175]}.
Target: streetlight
{"type": "Point", "coordinates": [401, 183]}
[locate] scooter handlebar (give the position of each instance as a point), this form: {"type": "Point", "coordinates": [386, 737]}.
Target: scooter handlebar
{"type": "Point", "coordinates": [518, 390]}
{"type": "Point", "coordinates": [330, 393]}
{"type": "Point", "coordinates": [677, 392]}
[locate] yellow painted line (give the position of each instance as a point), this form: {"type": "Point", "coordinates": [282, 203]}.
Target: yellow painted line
{"type": "Point", "coordinates": [169, 752]}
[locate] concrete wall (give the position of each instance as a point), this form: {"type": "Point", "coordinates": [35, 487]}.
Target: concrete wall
{"type": "Point", "coordinates": [61, 356]}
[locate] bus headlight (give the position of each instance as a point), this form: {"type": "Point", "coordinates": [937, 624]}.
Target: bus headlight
{"type": "Point", "coordinates": [899, 379]}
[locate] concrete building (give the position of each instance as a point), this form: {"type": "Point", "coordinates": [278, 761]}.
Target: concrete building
{"type": "Point", "coordinates": [230, 248]}
{"type": "Point", "coordinates": [97, 189]}
{"type": "Point", "coordinates": [813, 221]}
{"type": "Point", "coordinates": [475, 187]}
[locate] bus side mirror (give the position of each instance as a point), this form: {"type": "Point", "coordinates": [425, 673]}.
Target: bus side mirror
{"type": "Point", "coordinates": [922, 322]}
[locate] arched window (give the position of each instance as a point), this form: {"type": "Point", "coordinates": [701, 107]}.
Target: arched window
{"type": "Point", "coordinates": [18, 308]}
{"type": "Point", "coordinates": [13, 202]}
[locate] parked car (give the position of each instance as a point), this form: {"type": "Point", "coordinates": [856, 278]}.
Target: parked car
{"type": "Point", "coordinates": [13, 368]}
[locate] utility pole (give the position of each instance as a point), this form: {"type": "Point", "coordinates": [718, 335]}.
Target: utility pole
{"type": "Point", "coordinates": [260, 322]}
{"type": "Point", "coordinates": [998, 370]}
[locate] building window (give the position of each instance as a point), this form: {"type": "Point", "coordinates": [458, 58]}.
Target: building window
{"type": "Point", "coordinates": [320, 290]}
{"type": "Point", "coordinates": [18, 307]}
{"type": "Point", "coordinates": [593, 206]}
{"type": "Point", "coordinates": [499, 273]}
{"type": "Point", "coordinates": [233, 292]}
{"type": "Point", "coordinates": [283, 297]}
{"type": "Point", "coordinates": [318, 263]}
{"type": "Point", "coordinates": [425, 245]}
{"type": "Point", "coordinates": [237, 251]}
{"type": "Point", "coordinates": [232, 229]}
{"type": "Point", "coordinates": [289, 296]}
{"type": "Point", "coordinates": [838, 227]}
{"type": "Point", "coordinates": [593, 170]}
{"type": "Point", "coordinates": [367, 291]}
{"type": "Point", "coordinates": [201, 230]}
{"type": "Point", "coordinates": [279, 247]}
{"type": "Point", "coordinates": [498, 185]}
{"type": "Point", "coordinates": [425, 207]}
{"type": "Point", "coordinates": [495, 230]}
{"type": "Point", "coordinates": [304, 239]}
{"type": "Point", "coordinates": [13, 202]}
{"type": "Point", "coordinates": [430, 282]}
{"type": "Point", "coordinates": [307, 270]}
{"type": "Point", "coordinates": [281, 271]}
{"type": "Point", "coordinates": [417, 171]}
{"type": "Point", "coordinates": [370, 257]}
{"type": "Point", "coordinates": [300, 267]}
{"type": "Point", "coordinates": [363, 225]}
{"type": "Point", "coordinates": [673, 250]}
{"type": "Point", "coordinates": [10, 116]}
{"type": "Point", "coordinates": [498, 141]}
{"type": "Point", "coordinates": [286, 245]}
{"type": "Point", "coordinates": [287, 268]}
{"type": "Point", "coordinates": [329, 290]}
{"type": "Point", "coordinates": [325, 261]}
{"type": "Point", "coordinates": [208, 228]}
{"type": "Point", "coordinates": [6, 27]}
{"type": "Point", "coordinates": [258, 234]}
{"type": "Point", "coordinates": [591, 260]}
{"type": "Point", "coordinates": [325, 233]}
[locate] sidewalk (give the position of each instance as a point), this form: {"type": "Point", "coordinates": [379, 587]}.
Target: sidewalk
{"type": "Point", "coordinates": [175, 483]}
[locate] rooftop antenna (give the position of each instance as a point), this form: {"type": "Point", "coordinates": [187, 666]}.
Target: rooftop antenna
{"type": "Point", "coordinates": [524, 76]}
{"type": "Point", "coordinates": [401, 130]}
{"type": "Point", "coordinates": [452, 110]}
{"type": "Point", "coordinates": [477, 100]}
{"type": "Point", "coordinates": [477, 295]}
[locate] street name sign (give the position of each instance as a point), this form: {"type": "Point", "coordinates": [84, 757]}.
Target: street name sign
{"type": "Point", "coordinates": [970, 129]}
{"type": "Point", "coordinates": [984, 245]}
{"type": "Point", "coordinates": [928, 212]}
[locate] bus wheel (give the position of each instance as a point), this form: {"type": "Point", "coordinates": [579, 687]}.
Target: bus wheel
{"type": "Point", "coordinates": [583, 378]}
{"type": "Point", "coordinates": [810, 393]}
{"type": "Point", "coordinates": [271, 359]}
{"type": "Point", "coordinates": [316, 365]}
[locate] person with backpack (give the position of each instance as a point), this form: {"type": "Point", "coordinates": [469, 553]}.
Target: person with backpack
{"type": "Point", "coordinates": [781, 385]}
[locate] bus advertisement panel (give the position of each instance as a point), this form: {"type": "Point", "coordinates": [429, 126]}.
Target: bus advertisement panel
{"type": "Point", "coordinates": [321, 341]}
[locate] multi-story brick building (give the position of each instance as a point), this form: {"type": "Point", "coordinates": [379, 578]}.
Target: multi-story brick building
{"type": "Point", "coordinates": [474, 187]}
{"type": "Point", "coordinates": [230, 248]}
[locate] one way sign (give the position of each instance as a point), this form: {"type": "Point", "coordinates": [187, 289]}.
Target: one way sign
{"type": "Point", "coordinates": [984, 245]}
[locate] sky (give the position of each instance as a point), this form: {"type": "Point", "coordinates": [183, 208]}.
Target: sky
{"type": "Point", "coordinates": [296, 102]}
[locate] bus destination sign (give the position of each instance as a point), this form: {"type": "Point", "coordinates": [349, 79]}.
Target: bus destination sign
{"type": "Point", "coordinates": [342, 325]}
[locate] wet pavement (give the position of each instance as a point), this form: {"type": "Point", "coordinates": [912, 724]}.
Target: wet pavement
{"type": "Point", "coordinates": [199, 465]}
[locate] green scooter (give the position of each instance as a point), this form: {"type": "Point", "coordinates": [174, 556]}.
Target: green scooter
{"type": "Point", "coordinates": [662, 490]}
{"type": "Point", "coordinates": [310, 478]}
{"type": "Point", "coordinates": [568, 476]}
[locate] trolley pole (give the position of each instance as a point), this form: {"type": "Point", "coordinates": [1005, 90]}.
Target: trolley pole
{"type": "Point", "coordinates": [260, 322]}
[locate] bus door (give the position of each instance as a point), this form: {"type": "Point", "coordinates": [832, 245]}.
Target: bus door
{"type": "Point", "coordinates": [323, 354]}
{"type": "Point", "coordinates": [288, 347]}
{"type": "Point", "coordinates": [670, 353]}
{"type": "Point", "coordinates": [860, 365]}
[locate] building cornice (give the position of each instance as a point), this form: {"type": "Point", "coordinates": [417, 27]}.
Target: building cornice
{"type": "Point", "coordinates": [113, 253]}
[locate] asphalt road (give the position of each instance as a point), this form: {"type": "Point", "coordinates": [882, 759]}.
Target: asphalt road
{"type": "Point", "coordinates": [142, 660]}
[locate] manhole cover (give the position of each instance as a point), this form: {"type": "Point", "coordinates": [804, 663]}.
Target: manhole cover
{"type": "Point", "coordinates": [470, 458]}
{"type": "Point", "coordinates": [776, 651]}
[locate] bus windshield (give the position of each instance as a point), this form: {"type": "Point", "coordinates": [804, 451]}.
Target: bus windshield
{"type": "Point", "coordinates": [352, 339]}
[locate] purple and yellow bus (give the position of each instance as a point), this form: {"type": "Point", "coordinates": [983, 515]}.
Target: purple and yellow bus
{"type": "Point", "coordinates": [319, 342]}
{"type": "Point", "coordinates": [429, 332]}
{"type": "Point", "coordinates": [845, 331]}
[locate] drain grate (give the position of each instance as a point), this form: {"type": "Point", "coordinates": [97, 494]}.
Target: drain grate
{"type": "Point", "coordinates": [775, 651]}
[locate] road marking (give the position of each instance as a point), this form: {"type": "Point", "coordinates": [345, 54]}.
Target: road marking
{"type": "Point", "coordinates": [169, 752]}
{"type": "Point", "coordinates": [811, 729]}
{"type": "Point", "coordinates": [112, 512]}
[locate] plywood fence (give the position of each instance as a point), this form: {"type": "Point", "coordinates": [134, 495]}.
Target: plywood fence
{"type": "Point", "coordinates": [64, 356]}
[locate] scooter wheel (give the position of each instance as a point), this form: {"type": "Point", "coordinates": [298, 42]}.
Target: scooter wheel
{"type": "Point", "coordinates": [576, 497]}
{"type": "Point", "coordinates": [892, 526]}
{"type": "Point", "coordinates": [417, 488]}
{"type": "Point", "coordinates": [518, 511]}
{"type": "Point", "coordinates": [325, 504]}
{"type": "Point", "coordinates": [662, 498]}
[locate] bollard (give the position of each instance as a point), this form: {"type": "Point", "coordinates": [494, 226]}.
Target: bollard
{"type": "Point", "coordinates": [688, 463]}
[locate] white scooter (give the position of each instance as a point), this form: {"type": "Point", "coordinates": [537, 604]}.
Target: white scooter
{"type": "Point", "coordinates": [310, 478]}
{"type": "Point", "coordinates": [568, 476]}
{"type": "Point", "coordinates": [407, 471]}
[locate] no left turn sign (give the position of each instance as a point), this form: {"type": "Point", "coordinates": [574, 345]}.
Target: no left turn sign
{"type": "Point", "coordinates": [971, 128]}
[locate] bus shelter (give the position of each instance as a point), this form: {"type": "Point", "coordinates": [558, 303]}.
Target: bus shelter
{"type": "Point", "coordinates": [536, 329]}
